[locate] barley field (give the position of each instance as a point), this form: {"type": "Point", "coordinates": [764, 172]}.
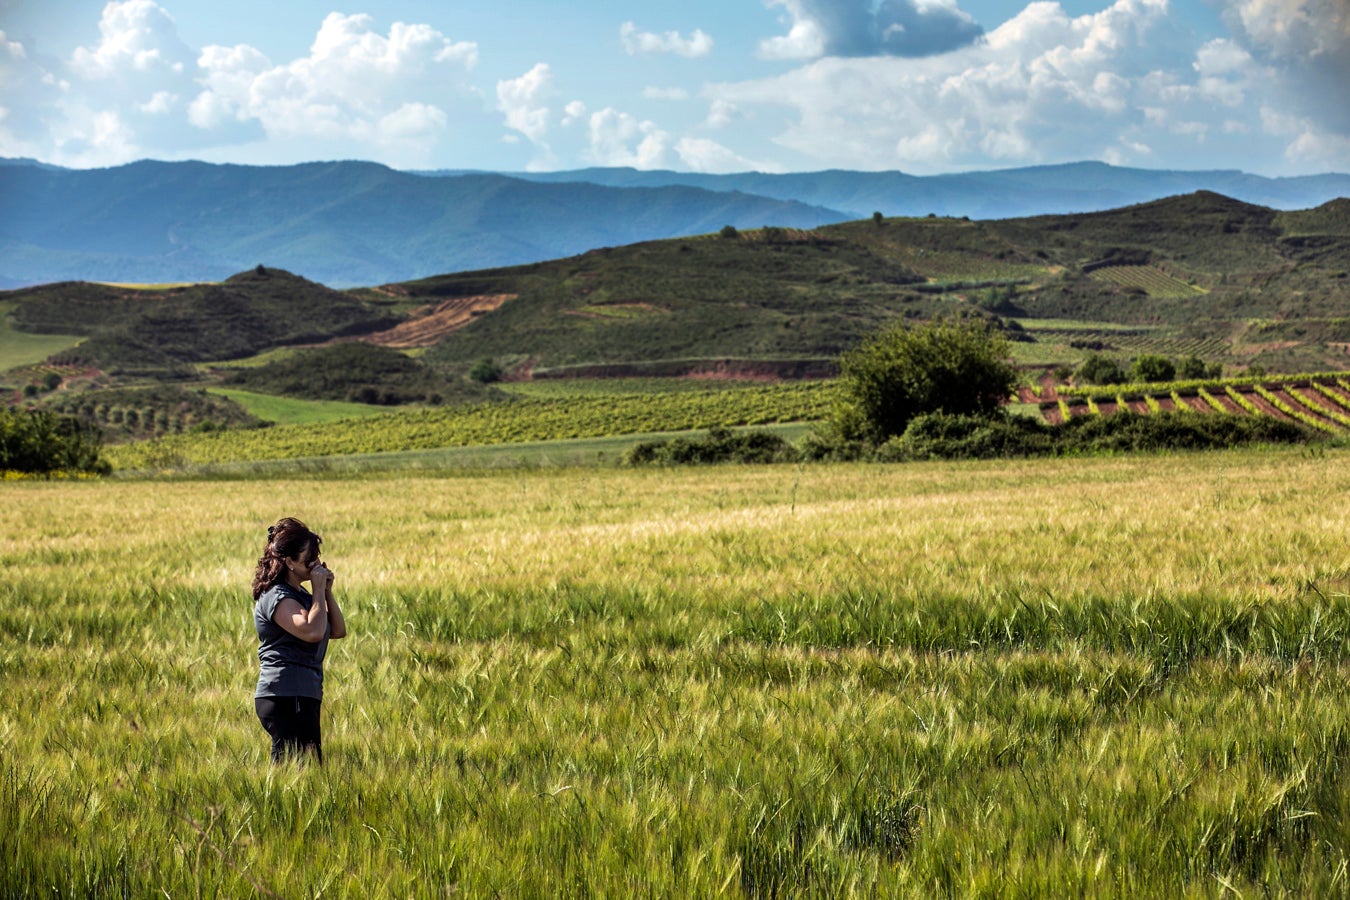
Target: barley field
{"type": "Point", "coordinates": [1112, 677]}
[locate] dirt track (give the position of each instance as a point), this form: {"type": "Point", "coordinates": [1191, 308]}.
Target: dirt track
{"type": "Point", "coordinates": [428, 324]}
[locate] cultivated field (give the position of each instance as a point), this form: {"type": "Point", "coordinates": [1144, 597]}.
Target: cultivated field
{"type": "Point", "coordinates": [1097, 677]}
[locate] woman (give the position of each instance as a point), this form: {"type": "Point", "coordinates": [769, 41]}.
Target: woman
{"type": "Point", "coordinates": [294, 627]}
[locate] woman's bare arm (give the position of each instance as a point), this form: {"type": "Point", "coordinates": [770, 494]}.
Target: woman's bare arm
{"type": "Point", "coordinates": [336, 621]}
{"type": "Point", "coordinates": [308, 625]}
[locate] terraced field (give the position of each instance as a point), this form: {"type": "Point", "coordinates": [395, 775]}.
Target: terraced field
{"type": "Point", "coordinates": [1152, 281]}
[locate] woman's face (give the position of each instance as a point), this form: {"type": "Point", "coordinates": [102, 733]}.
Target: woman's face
{"type": "Point", "coordinates": [305, 562]}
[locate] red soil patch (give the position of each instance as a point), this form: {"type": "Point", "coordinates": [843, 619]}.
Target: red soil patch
{"type": "Point", "coordinates": [1197, 403]}
{"type": "Point", "coordinates": [1227, 402]}
{"type": "Point", "coordinates": [428, 324]}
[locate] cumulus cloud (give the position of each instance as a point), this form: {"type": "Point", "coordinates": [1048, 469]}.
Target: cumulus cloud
{"type": "Point", "coordinates": [721, 113]}
{"type": "Point", "coordinates": [1042, 87]}
{"type": "Point", "coordinates": [867, 28]}
{"type": "Point", "coordinates": [139, 90]}
{"type": "Point", "coordinates": [706, 155]}
{"type": "Point", "coordinates": [134, 36]}
{"type": "Point", "coordinates": [522, 101]}
{"type": "Point", "coordinates": [619, 139]}
{"type": "Point", "coordinates": [1294, 28]}
{"type": "Point", "coordinates": [573, 112]}
{"type": "Point", "coordinates": [1305, 45]}
{"type": "Point", "coordinates": [352, 79]}
{"type": "Point", "coordinates": [634, 41]}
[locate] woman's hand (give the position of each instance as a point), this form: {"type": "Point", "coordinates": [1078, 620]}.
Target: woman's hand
{"type": "Point", "coordinates": [320, 577]}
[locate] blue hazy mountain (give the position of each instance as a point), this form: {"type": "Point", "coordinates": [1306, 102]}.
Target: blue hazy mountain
{"type": "Point", "coordinates": [1001, 194]}
{"type": "Point", "coordinates": [340, 223]}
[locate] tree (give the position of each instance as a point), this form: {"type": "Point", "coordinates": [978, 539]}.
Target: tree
{"type": "Point", "coordinates": [1192, 368]}
{"type": "Point", "coordinates": [729, 231]}
{"type": "Point", "coordinates": [1152, 368]}
{"type": "Point", "coordinates": [878, 219]}
{"type": "Point", "coordinates": [950, 366]}
{"type": "Point", "coordinates": [40, 441]}
{"type": "Point", "coordinates": [1101, 370]}
{"type": "Point", "coordinates": [486, 371]}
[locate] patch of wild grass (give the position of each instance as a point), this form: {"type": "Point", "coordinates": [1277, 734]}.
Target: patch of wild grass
{"type": "Point", "coordinates": [1110, 677]}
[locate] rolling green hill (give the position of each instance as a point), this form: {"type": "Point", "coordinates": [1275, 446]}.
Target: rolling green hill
{"type": "Point", "coordinates": [147, 330]}
{"type": "Point", "coordinates": [776, 295]}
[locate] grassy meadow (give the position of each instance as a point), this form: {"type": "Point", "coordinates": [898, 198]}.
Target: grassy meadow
{"type": "Point", "coordinates": [296, 410]}
{"type": "Point", "coordinates": [1100, 677]}
{"type": "Point", "coordinates": [18, 349]}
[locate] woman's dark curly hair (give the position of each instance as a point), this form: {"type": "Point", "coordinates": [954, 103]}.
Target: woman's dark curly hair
{"type": "Point", "coordinates": [288, 539]}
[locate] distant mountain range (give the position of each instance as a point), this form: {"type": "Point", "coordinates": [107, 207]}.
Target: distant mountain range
{"type": "Point", "coordinates": [355, 223]}
{"type": "Point", "coordinates": [1003, 194]}
{"type": "Point", "coordinates": [342, 224]}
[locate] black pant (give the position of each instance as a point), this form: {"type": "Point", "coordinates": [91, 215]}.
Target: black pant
{"type": "Point", "coordinates": [293, 723]}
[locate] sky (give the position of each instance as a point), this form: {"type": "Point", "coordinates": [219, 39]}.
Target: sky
{"type": "Point", "coordinates": [919, 86]}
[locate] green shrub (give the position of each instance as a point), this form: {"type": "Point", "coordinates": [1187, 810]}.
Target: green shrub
{"type": "Point", "coordinates": [486, 371]}
{"type": "Point", "coordinates": [1101, 370]}
{"type": "Point", "coordinates": [940, 436]}
{"type": "Point", "coordinates": [953, 366]}
{"type": "Point", "coordinates": [1151, 369]}
{"type": "Point", "coordinates": [720, 445]}
{"type": "Point", "coordinates": [40, 442]}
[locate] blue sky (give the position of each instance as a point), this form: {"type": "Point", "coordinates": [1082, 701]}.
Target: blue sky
{"type": "Point", "coordinates": [922, 86]}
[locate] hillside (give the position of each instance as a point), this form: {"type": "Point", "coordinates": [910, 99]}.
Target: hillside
{"type": "Point", "coordinates": [341, 223]}
{"type": "Point", "coordinates": [140, 331]}
{"type": "Point", "coordinates": [1220, 268]}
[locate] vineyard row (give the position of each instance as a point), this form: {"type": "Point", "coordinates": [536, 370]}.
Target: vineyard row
{"type": "Point", "coordinates": [518, 421]}
{"type": "Point", "coordinates": [1321, 403]}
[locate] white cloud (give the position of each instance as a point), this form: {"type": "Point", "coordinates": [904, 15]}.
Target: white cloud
{"type": "Point", "coordinates": [135, 36]}
{"type": "Point", "coordinates": [1043, 87]}
{"type": "Point", "coordinates": [138, 90]}
{"type": "Point", "coordinates": [1309, 146]}
{"type": "Point", "coordinates": [354, 84]}
{"type": "Point", "coordinates": [573, 112]}
{"type": "Point", "coordinates": [705, 155]}
{"type": "Point", "coordinates": [634, 41]}
{"type": "Point", "coordinates": [162, 103]}
{"type": "Point", "coordinates": [522, 101]}
{"type": "Point", "coordinates": [413, 121]}
{"type": "Point", "coordinates": [619, 139]}
{"type": "Point", "coordinates": [1304, 46]}
{"type": "Point", "coordinates": [1294, 28]}
{"type": "Point", "coordinates": [721, 113]}
{"type": "Point", "coordinates": [804, 40]}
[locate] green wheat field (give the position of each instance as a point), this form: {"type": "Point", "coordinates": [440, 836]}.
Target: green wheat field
{"type": "Point", "coordinates": [1108, 677]}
